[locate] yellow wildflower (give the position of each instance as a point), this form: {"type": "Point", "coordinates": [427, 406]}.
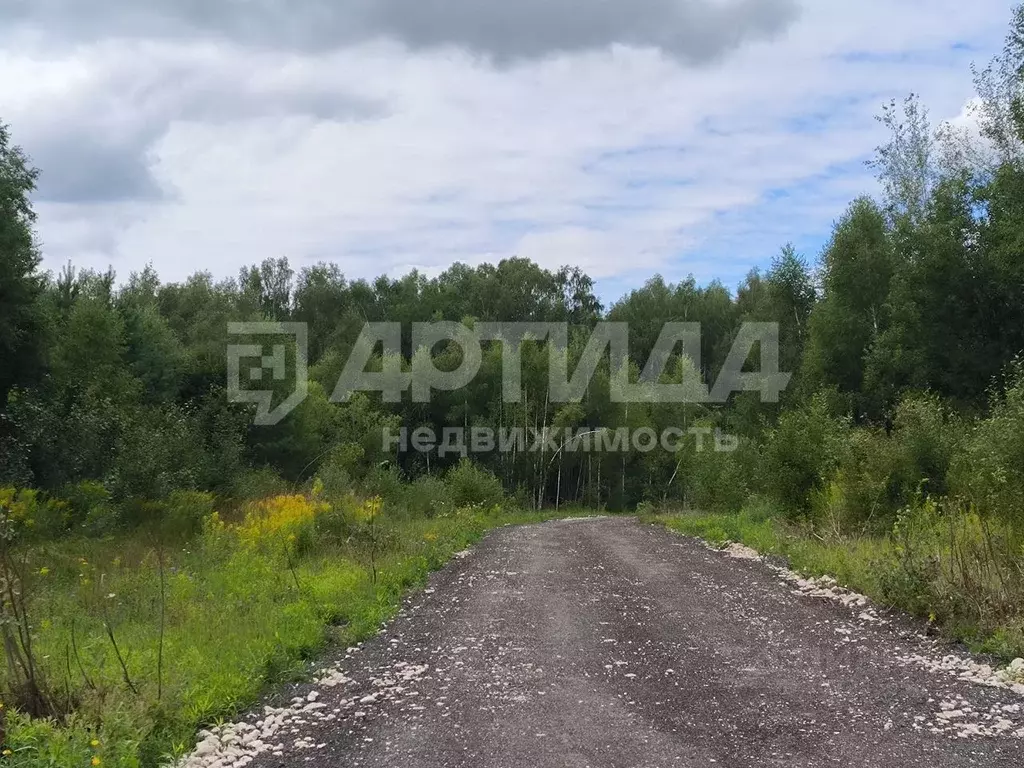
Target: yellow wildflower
{"type": "Point", "coordinates": [281, 518]}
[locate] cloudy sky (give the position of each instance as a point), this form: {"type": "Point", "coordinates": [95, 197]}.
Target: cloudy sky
{"type": "Point", "coordinates": [626, 136]}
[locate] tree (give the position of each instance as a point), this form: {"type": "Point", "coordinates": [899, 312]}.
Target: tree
{"type": "Point", "coordinates": [581, 304]}
{"type": "Point", "coordinates": [999, 108]}
{"type": "Point", "coordinates": [940, 335]}
{"type": "Point", "coordinates": [22, 323]}
{"type": "Point", "coordinates": [321, 299]}
{"type": "Point", "coordinates": [906, 164]}
{"type": "Point", "coordinates": [269, 286]}
{"type": "Point", "coordinates": [857, 268]}
{"type": "Point", "coordinates": [785, 295]}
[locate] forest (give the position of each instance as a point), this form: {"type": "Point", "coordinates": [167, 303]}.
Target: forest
{"type": "Point", "coordinates": [893, 459]}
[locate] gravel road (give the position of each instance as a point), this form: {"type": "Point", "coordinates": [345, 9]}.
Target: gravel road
{"type": "Point", "coordinates": [606, 642]}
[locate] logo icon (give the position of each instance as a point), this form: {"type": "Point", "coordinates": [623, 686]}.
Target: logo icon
{"type": "Point", "coordinates": [275, 363]}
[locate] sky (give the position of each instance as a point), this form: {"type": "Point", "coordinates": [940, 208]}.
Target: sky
{"type": "Point", "coordinates": [629, 137]}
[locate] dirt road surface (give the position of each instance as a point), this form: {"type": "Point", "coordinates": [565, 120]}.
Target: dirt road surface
{"type": "Point", "coordinates": [605, 642]}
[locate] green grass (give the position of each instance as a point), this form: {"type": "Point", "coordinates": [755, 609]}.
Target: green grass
{"type": "Point", "coordinates": [236, 619]}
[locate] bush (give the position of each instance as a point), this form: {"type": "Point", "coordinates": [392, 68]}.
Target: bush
{"type": "Point", "coordinates": [338, 521]}
{"type": "Point", "coordinates": [429, 497]}
{"type": "Point", "coordinates": [864, 492]}
{"type": "Point", "coordinates": [258, 484]}
{"type": "Point", "coordinates": [928, 437]}
{"type": "Point", "coordinates": [988, 472]}
{"type": "Point", "coordinates": [470, 485]}
{"type": "Point", "coordinates": [646, 508]}
{"type": "Point", "coordinates": [955, 568]}
{"type": "Point", "coordinates": [158, 451]}
{"type": "Point", "coordinates": [90, 501]}
{"type": "Point", "coordinates": [801, 454]}
{"type": "Point", "coordinates": [877, 474]}
{"type": "Point", "coordinates": [336, 473]}
{"type": "Point", "coordinates": [385, 482]}
{"type": "Point", "coordinates": [33, 515]}
{"type": "Point", "coordinates": [723, 481]}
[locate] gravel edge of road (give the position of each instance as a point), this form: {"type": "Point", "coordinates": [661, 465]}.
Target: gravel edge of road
{"type": "Point", "coordinates": [969, 665]}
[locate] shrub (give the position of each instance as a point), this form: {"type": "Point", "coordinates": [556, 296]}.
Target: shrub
{"type": "Point", "coordinates": [258, 484]}
{"type": "Point", "coordinates": [337, 522]}
{"type": "Point", "coordinates": [102, 520]}
{"type": "Point", "coordinates": [863, 493]}
{"type": "Point", "coordinates": [646, 508]}
{"type": "Point", "coordinates": [336, 475]}
{"type": "Point", "coordinates": [927, 436]}
{"type": "Point", "coordinates": [877, 475]}
{"type": "Point", "coordinates": [723, 481]}
{"type": "Point", "coordinates": [914, 580]}
{"type": "Point", "coordinates": [429, 497]}
{"type": "Point", "coordinates": [33, 515]}
{"type": "Point", "coordinates": [801, 453]}
{"type": "Point", "coordinates": [953, 566]}
{"type": "Point", "coordinates": [216, 540]}
{"type": "Point", "coordinates": [470, 485]}
{"type": "Point", "coordinates": [988, 471]}
{"type": "Point", "coordinates": [385, 482]}
{"type": "Point", "coordinates": [89, 500]}
{"type": "Point", "coordinates": [158, 451]}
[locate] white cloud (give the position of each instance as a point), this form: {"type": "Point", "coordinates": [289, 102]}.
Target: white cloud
{"type": "Point", "coordinates": [620, 159]}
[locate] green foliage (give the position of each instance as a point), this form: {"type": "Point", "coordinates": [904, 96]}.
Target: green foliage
{"type": "Point", "coordinates": [92, 510]}
{"type": "Point", "coordinates": [879, 474]}
{"type": "Point", "coordinates": [892, 461]}
{"type": "Point", "coordinates": [22, 324]}
{"type": "Point", "coordinates": [429, 496]}
{"type": "Point", "coordinates": [184, 514]}
{"type": "Point", "coordinates": [470, 486]}
{"type": "Point", "coordinates": [32, 515]}
{"type": "Point", "coordinates": [988, 472]}
{"type": "Point", "coordinates": [959, 570]}
{"type": "Point", "coordinates": [862, 492]}
{"type": "Point", "coordinates": [801, 453]}
{"type": "Point", "coordinates": [722, 481]}
{"type": "Point", "coordinates": [157, 451]}
{"type": "Point", "coordinates": [257, 484]}
{"type": "Point", "coordinates": [857, 269]}
{"type": "Point", "coordinates": [928, 436]}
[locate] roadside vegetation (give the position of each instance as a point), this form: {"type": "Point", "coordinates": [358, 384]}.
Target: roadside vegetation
{"type": "Point", "coordinates": [162, 558]}
{"type": "Point", "coordinates": [120, 646]}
